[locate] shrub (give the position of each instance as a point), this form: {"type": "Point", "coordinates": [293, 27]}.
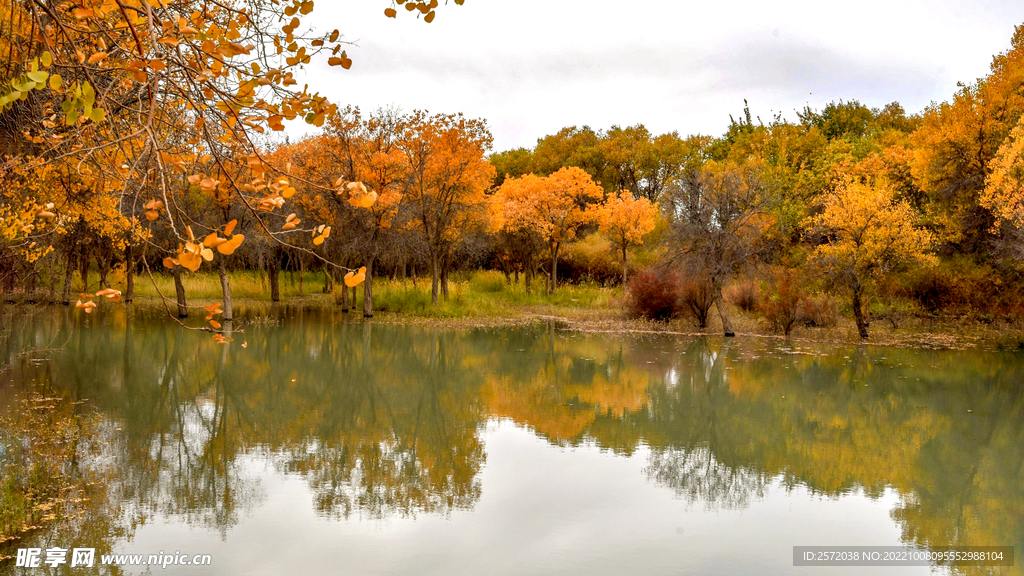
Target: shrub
{"type": "Point", "coordinates": [653, 294]}
{"type": "Point", "coordinates": [935, 289]}
{"type": "Point", "coordinates": [782, 306]}
{"type": "Point", "coordinates": [745, 295]}
{"type": "Point", "coordinates": [817, 312]}
{"type": "Point", "coordinates": [697, 296]}
{"type": "Point", "coordinates": [590, 258]}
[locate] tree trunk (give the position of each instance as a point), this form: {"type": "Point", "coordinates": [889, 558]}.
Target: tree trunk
{"type": "Point", "coordinates": [260, 262]}
{"type": "Point", "coordinates": [104, 263]}
{"type": "Point", "coordinates": [274, 274]}
{"type": "Point", "coordinates": [52, 289]}
{"type": "Point", "coordinates": [553, 280]}
{"type": "Point", "coordinates": [722, 313]}
{"type": "Point", "coordinates": [30, 285]}
{"type": "Point", "coordinates": [368, 290]}
{"type": "Point", "coordinates": [129, 274]}
{"type": "Point", "coordinates": [435, 279]}
{"type": "Point", "coordinates": [354, 299]}
{"type": "Point", "coordinates": [83, 266]}
{"type": "Point", "coordinates": [624, 265]}
{"type": "Point", "coordinates": [179, 290]}
{"type": "Point", "coordinates": [344, 297]}
{"type": "Point", "coordinates": [444, 281]}
{"type": "Point", "coordinates": [69, 273]}
{"type": "Point", "coordinates": [225, 286]}
{"type": "Point", "coordinates": [328, 280]}
{"type": "Point", "coordinates": [302, 272]}
{"type": "Point", "coordinates": [858, 313]}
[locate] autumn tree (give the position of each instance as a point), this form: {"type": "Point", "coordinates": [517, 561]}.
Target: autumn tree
{"type": "Point", "coordinates": [148, 103]}
{"type": "Point", "coordinates": [512, 221]}
{"type": "Point", "coordinates": [957, 141]}
{"type": "Point", "coordinates": [642, 163]}
{"type": "Point", "coordinates": [448, 175]}
{"type": "Point", "coordinates": [719, 216]}
{"type": "Point", "coordinates": [571, 146]}
{"type": "Point", "coordinates": [865, 233]}
{"type": "Point", "coordinates": [555, 207]}
{"type": "Point", "coordinates": [1004, 187]}
{"type": "Point", "coordinates": [373, 161]}
{"type": "Point", "coordinates": [626, 220]}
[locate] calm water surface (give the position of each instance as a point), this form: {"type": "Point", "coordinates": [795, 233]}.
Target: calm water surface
{"type": "Point", "coordinates": [328, 447]}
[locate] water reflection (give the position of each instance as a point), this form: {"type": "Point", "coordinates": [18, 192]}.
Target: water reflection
{"type": "Point", "coordinates": [387, 422]}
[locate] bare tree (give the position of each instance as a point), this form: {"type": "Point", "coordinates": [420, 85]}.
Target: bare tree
{"type": "Point", "coordinates": [718, 216]}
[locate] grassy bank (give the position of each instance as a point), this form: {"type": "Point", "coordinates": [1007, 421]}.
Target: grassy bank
{"type": "Point", "coordinates": [471, 295]}
{"type": "Point", "coordinates": [486, 298]}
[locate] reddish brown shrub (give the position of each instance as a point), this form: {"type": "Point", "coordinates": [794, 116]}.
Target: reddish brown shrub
{"type": "Point", "coordinates": [653, 294]}
{"type": "Point", "coordinates": [697, 296]}
{"type": "Point", "coordinates": [782, 306]}
{"type": "Point", "coordinates": [745, 295]}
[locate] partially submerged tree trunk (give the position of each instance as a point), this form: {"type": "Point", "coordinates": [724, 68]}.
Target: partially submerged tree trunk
{"type": "Point", "coordinates": [225, 286]}
{"type": "Point", "coordinates": [129, 274]}
{"type": "Point", "coordinates": [722, 313]}
{"type": "Point", "coordinates": [368, 290]}
{"type": "Point", "coordinates": [179, 290]}
{"type": "Point", "coordinates": [344, 297]}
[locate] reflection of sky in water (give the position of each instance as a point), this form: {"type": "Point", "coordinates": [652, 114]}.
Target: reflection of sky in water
{"type": "Point", "coordinates": [544, 509]}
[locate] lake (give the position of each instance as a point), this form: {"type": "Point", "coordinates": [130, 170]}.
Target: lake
{"type": "Point", "coordinates": [326, 446]}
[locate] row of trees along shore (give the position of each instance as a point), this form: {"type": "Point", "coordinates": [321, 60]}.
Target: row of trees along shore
{"type": "Point", "coordinates": [139, 139]}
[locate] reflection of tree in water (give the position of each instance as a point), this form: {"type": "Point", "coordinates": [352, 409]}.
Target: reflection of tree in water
{"type": "Point", "coordinates": [183, 453]}
{"type": "Point", "coordinates": [687, 463]}
{"type": "Point", "coordinates": [397, 441]}
{"type": "Point", "coordinates": [382, 421]}
{"type": "Point", "coordinates": [698, 477]}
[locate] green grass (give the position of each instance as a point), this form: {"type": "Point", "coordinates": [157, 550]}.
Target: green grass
{"type": "Point", "coordinates": [483, 294]}
{"type": "Point", "coordinates": [244, 284]}
{"type": "Point", "coordinates": [472, 294]}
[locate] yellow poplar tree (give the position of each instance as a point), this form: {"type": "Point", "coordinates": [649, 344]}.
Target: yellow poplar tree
{"type": "Point", "coordinates": [867, 233]}
{"type": "Point", "coordinates": [1004, 187]}
{"type": "Point", "coordinates": [626, 220]}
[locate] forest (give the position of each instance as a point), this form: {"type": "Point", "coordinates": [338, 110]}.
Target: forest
{"type": "Point", "coordinates": [145, 143]}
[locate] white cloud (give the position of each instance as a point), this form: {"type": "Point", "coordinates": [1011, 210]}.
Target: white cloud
{"type": "Point", "coordinates": [531, 67]}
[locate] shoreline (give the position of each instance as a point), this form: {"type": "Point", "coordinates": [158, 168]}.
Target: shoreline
{"type": "Point", "coordinates": [940, 333]}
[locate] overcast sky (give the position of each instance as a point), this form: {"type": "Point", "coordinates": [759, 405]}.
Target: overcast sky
{"type": "Point", "coordinates": [531, 67]}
